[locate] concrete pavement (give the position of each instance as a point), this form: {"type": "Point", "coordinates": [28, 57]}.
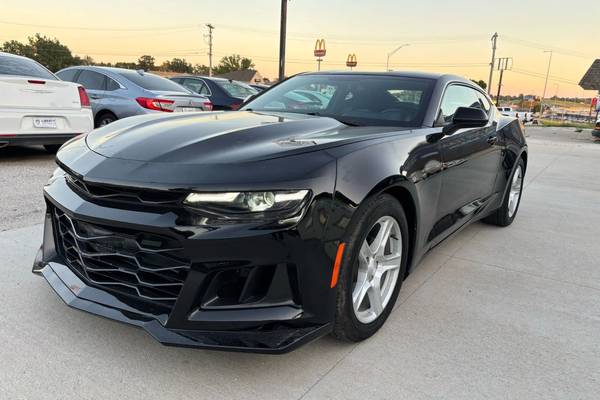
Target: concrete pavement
{"type": "Point", "coordinates": [493, 313]}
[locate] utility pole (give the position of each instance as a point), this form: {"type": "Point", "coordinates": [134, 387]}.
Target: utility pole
{"type": "Point", "coordinates": [210, 45]}
{"type": "Point", "coordinates": [282, 30]}
{"type": "Point", "coordinates": [546, 83]}
{"type": "Point", "coordinates": [494, 40]}
{"type": "Point", "coordinates": [503, 64]}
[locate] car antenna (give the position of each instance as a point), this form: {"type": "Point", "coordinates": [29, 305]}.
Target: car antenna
{"type": "Point", "coordinates": [140, 71]}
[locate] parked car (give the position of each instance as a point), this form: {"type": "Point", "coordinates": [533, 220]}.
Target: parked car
{"type": "Point", "coordinates": [225, 94]}
{"type": "Point", "coordinates": [523, 115]}
{"type": "Point", "coordinates": [38, 108]}
{"type": "Point", "coordinates": [117, 93]}
{"type": "Point", "coordinates": [596, 131]}
{"type": "Point", "coordinates": [259, 87]}
{"type": "Point", "coordinates": [265, 228]}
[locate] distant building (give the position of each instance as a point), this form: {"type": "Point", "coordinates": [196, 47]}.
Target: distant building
{"type": "Point", "coordinates": [246, 75]}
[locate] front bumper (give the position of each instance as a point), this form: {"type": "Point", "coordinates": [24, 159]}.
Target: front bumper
{"type": "Point", "coordinates": [285, 319]}
{"type": "Point", "coordinates": [75, 293]}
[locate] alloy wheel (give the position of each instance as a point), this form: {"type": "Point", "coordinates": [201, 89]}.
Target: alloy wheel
{"type": "Point", "coordinates": [379, 261]}
{"type": "Point", "coordinates": [515, 191]}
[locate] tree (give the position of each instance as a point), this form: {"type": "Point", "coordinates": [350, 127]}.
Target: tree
{"type": "Point", "coordinates": [18, 48]}
{"type": "Point", "coordinates": [481, 83]}
{"type": "Point", "coordinates": [146, 63]}
{"type": "Point", "coordinates": [48, 52]}
{"type": "Point", "coordinates": [177, 65]}
{"type": "Point", "coordinates": [200, 69]}
{"type": "Point", "coordinates": [234, 62]}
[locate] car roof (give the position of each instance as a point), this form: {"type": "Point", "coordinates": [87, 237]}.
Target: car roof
{"type": "Point", "coordinates": [211, 78]}
{"type": "Point", "coordinates": [400, 74]}
{"type": "Point", "coordinates": [109, 70]}
{"type": "Point", "coordinates": [13, 55]}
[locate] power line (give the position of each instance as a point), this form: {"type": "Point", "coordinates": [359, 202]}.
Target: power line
{"type": "Point", "coordinates": [542, 46]}
{"type": "Point", "coordinates": [87, 28]}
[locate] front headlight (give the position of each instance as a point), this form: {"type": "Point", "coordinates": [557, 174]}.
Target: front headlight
{"type": "Point", "coordinates": [272, 205]}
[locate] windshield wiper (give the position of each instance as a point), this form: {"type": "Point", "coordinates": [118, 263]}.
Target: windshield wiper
{"type": "Point", "coordinates": [343, 121]}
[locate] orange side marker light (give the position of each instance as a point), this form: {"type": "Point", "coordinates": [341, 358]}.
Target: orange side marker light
{"type": "Point", "coordinates": [337, 264]}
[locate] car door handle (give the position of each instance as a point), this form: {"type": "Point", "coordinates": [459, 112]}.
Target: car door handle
{"type": "Point", "coordinates": [492, 139]}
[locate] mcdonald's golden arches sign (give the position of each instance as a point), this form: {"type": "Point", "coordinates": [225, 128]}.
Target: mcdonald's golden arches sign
{"type": "Point", "coordinates": [351, 61]}
{"type": "Point", "coordinates": [320, 49]}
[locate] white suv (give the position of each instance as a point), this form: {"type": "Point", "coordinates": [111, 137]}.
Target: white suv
{"type": "Point", "coordinates": [38, 108]}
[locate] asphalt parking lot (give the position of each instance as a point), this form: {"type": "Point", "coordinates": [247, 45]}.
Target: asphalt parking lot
{"type": "Point", "coordinates": [497, 313]}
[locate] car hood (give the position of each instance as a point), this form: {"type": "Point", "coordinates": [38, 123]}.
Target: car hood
{"type": "Point", "coordinates": [221, 137]}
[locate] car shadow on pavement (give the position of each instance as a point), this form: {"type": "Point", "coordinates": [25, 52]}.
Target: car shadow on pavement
{"type": "Point", "coordinates": [19, 152]}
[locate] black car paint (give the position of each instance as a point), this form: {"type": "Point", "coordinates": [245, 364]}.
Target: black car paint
{"type": "Point", "coordinates": [444, 182]}
{"type": "Point", "coordinates": [221, 100]}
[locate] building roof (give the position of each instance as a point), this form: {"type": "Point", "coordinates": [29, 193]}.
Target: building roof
{"type": "Point", "coordinates": [591, 79]}
{"type": "Point", "coordinates": [245, 75]}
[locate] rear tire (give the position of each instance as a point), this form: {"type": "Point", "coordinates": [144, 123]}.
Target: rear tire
{"type": "Point", "coordinates": [367, 274]}
{"type": "Point", "coordinates": [104, 119]}
{"type": "Point", "coordinates": [505, 215]}
{"type": "Point", "coordinates": [52, 148]}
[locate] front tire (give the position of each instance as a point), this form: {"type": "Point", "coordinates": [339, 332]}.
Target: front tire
{"type": "Point", "coordinates": [505, 215]}
{"type": "Point", "coordinates": [373, 268]}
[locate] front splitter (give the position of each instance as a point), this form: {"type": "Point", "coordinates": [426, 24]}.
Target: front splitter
{"type": "Point", "coordinates": [72, 291]}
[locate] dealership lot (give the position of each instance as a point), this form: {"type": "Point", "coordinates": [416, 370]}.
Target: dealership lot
{"type": "Point", "coordinates": [492, 313]}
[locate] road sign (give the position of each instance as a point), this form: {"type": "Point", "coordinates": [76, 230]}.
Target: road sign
{"type": "Point", "coordinates": [320, 49]}
{"type": "Point", "coordinates": [351, 61]}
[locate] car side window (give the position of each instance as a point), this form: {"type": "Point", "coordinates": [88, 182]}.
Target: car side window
{"type": "Point", "coordinates": [111, 84]}
{"type": "Point", "coordinates": [485, 103]}
{"type": "Point", "coordinates": [457, 96]}
{"type": "Point", "coordinates": [92, 80]}
{"type": "Point", "coordinates": [197, 86]}
{"type": "Point", "coordinates": [68, 75]}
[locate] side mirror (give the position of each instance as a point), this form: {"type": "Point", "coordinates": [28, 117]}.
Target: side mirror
{"type": "Point", "coordinates": [466, 117]}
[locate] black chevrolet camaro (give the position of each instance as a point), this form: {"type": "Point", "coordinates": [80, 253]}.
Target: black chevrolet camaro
{"type": "Point", "coordinates": [297, 216]}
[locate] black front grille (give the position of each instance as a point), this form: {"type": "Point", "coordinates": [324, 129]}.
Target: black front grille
{"type": "Point", "coordinates": [145, 265]}
{"type": "Point", "coordinates": [126, 195]}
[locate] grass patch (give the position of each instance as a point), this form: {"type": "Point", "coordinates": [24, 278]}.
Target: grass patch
{"type": "Point", "coordinates": [566, 124]}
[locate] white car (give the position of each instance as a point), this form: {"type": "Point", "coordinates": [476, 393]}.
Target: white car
{"type": "Point", "coordinates": [524, 116]}
{"type": "Point", "coordinates": [38, 108]}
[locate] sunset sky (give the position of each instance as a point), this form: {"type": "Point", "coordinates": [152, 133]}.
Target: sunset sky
{"type": "Point", "coordinates": [446, 36]}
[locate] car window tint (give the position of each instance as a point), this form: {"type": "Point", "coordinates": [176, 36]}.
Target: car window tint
{"type": "Point", "coordinates": [68, 75]}
{"type": "Point", "coordinates": [153, 82]}
{"type": "Point", "coordinates": [314, 97]}
{"type": "Point", "coordinates": [196, 86]}
{"type": "Point", "coordinates": [111, 84]}
{"type": "Point", "coordinates": [92, 80]}
{"type": "Point", "coordinates": [368, 101]}
{"type": "Point", "coordinates": [457, 96]}
{"type": "Point", "coordinates": [23, 67]}
{"type": "Point", "coordinates": [236, 89]}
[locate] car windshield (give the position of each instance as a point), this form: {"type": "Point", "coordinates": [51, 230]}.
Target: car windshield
{"type": "Point", "coordinates": [237, 89]}
{"type": "Point", "coordinates": [23, 67]}
{"type": "Point", "coordinates": [153, 82]}
{"type": "Point", "coordinates": [365, 100]}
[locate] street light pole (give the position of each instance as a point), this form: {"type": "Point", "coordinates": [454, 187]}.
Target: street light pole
{"type": "Point", "coordinates": [545, 84]}
{"type": "Point", "coordinates": [387, 65]}
{"type": "Point", "coordinates": [282, 32]}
